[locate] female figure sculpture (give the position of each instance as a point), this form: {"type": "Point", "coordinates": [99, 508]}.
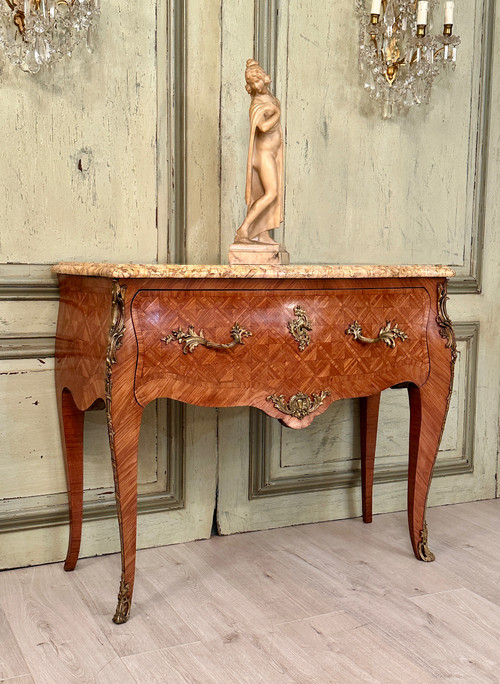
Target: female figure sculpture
{"type": "Point", "coordinates": [264, 186]}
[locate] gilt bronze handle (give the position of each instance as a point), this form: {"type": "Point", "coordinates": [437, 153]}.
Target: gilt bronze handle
{"type": "Point", "coordinates": [192, 340]}
{"type": "Point", "coordinates": [387, 334]}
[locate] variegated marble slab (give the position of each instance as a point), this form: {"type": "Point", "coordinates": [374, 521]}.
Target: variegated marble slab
{"type": "Point", "coordinates": [247, 271]}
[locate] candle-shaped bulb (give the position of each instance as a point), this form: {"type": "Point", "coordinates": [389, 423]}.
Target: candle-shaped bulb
{"type": "Point", "coordinates": [449, 6]}
{"type": "Point", "coordinates": [376, 6]}
{"type": "Point", "coordinates": [422, 9]}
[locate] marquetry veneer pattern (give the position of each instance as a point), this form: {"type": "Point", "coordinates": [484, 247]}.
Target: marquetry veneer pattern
{"type": "Point", "coordinates": [81, 339]}
{"type": "Point", "coordinates": [270, 359]}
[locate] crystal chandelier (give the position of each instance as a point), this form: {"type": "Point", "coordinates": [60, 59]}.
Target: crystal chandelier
{"type": "Point", "coordinates": [34, 33]}
{"type": "Point", "coordinates": [398, 58]}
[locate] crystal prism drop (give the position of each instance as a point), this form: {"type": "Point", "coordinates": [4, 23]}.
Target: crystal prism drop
{"type": "Point", "coordinates": [390, 15]}
{"type": "Point", "coordinates": [388, 110]}
{"type": "Point", "coordinates": [369, 81]}
{"type": "Point", "coordinates": [38, 56]}
{"type": "Point", "coordinates": [90, 40]}
{"type": "Point", "coordinates": [30, 63]}
{"type": "Point", "coordinates": [419, 91]}
{"type": "Point", "coordinates": [45, 50]}
{"type": "Point", "coordinates": [408, 101]}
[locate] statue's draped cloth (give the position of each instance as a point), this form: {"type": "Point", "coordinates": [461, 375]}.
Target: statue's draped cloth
{"type": "Point", "coordinates": [273, 215]}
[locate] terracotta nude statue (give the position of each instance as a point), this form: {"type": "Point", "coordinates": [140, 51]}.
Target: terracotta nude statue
{"type": "Point", "coordinates": [264, 187]}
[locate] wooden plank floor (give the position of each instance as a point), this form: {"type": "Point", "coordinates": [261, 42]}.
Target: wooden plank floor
{"type": "Point", "coordinates": [330, 602]}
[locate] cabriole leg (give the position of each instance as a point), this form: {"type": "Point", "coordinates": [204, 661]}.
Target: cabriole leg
{"type": "Point", "coordinates": [368, 418]}
{"type": "Point", "coordinates": [71, 421]}
{"type": "Point", "coordinates": [428, 408]}
{"type": "Point", "coordinates": [124, 422]}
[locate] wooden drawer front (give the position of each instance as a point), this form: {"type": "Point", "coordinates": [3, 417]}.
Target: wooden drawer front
{"type": "Point", "coordinates": [270, 360]}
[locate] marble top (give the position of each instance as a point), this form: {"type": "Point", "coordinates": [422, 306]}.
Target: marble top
{"type": "Point", "coordinates": [247, 271]}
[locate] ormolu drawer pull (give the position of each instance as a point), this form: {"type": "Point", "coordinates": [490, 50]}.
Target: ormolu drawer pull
{"type": "Point", "coordinates": [387, 334]}
{"type": "Point", "coordinates": [192, 340]}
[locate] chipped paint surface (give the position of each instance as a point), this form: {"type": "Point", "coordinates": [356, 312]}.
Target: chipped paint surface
{"type": "Point", "coordinates": [78, 170]}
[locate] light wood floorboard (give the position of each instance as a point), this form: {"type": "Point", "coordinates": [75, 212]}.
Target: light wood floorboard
{"type": "Point", "coordinates": [56, 632]}
{"type": "Point", "coordinates": [155, 623]}
{"type": "Point", "coordinates": [330, 602]}
{"type": "Point", "coordinates": [12, 662]}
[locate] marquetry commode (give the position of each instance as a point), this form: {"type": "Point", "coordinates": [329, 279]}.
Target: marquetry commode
{"type": "Point", "coordinates": [288, 340]}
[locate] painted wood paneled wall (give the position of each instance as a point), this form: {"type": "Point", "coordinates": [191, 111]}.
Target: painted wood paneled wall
{"type": "Point", "coordinates": [112, 114]}
{"type": "Point", "coordinates": [138, 152]}
{"type": "Point", "coordinates": [416, 189]}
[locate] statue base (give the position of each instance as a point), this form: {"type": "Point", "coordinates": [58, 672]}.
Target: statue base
{"type": "Point", "coordinates": [252, 254]}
